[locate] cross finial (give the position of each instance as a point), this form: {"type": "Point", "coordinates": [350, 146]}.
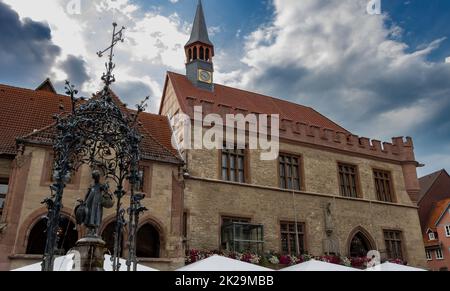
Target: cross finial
{"type": "Point", "coordinates": [108, 78]}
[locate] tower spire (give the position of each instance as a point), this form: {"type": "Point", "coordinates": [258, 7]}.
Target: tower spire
{"type": "Point", "coordinates": [199, 29]}
{"type": "Point", "coordinates": [199, 53]}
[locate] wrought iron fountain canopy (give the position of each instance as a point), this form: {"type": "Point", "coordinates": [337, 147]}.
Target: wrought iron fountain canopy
{"type": "Point", "coordinates": [99, 133]}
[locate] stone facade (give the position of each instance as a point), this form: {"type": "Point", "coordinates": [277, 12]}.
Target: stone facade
{"type": "Point", "coordinates": [208, 199]}
{"type": "Point", "coordinates": [29, 186]}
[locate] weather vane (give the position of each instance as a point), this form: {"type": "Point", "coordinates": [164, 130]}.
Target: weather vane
{"type": "Point", "coordinates": [108, 78]}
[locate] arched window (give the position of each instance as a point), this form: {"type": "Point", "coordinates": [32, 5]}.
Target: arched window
{"type": "Point", "coordinates": [195, 53]}
{"type": "Point", "coordinates": [108, 235]}
{"type": "Point", "coordinates": [67, 237]}
{"type": "Point", "coordinates": [190, 54]}
{"type": "Point", "coordinates": [202, 53]}
{"type": "Point", "coordinates": [207, 58]}
{"type": "Point", "coordinates": [148, 242]}
{"type": "Point", "coordinates": [360, 246]}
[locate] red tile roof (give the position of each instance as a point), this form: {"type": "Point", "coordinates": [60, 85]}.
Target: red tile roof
{"type": "Point", "coordinates": [22, 111]}
{"type": "Point", "coordinates": [27, 115]}
{"type": "Point", "coordinates": [247, 101]}
{"type": "Point", "coordinates": [438, 211]}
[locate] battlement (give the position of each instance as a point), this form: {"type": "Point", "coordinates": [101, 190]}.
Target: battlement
{"type": "Point", "coordinates": [399, 149]}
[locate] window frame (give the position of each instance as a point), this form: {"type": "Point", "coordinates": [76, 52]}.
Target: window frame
{"type": "Point", "coordinates": [439, 254]}
{"type": "Point", "coordinates": [393, 196]}
{"type": "Point", "coordinates": [359, 194]}
{"type": "Point", "coordinates": [301, 176]}
{"type": "Point", "coordinates": [447, 230]}
{"type": "Point", "coordinates": [146, 180]}
{"type": "Point", "coordinates": [234, 153]}
{"type": "Point", "coordinates": [47, 173]}
{"type": "Point", "coordinates": [292, 250]}
{"type": "Point", "coordinates": [429, 255]}
{"type": "Point", "coordinates": [4, 181]}
{"type": "Point", "coordinates": [400, 240]}
{"type": "Point", "coordinates": [431, 236]}
{"type": "Point", "coordinates": [233, 218]}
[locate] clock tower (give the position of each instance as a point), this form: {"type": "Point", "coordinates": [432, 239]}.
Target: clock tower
{"type": "Point", "coordinates": [199, 53]}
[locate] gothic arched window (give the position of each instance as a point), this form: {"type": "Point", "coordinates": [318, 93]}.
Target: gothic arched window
{"type": "Point", "coordinates": [359, 246]}
{"type": "Point", "coordinates": [108, 236]}
{"type": "Point", "coordinates": [67, 237]}
{"type": "Point", "coordinates": [190, 55]}
{"type": "Point", "coordinates": [148, 242]}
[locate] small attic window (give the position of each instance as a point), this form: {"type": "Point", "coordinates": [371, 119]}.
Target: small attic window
{"type": "Point", "coordinates": [431, 235]}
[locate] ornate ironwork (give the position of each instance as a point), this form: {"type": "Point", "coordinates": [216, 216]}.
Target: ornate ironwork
{"type": "Point", "coordinates": [134, 211]}
{"type": "Point", "coordinates": [104, 136]}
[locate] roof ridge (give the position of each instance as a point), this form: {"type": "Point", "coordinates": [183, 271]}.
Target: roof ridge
{"type": "Point", "coordinates": [256, 93]}
{"type": "Point", "coordinates": [34, 132]}
{"type": "Point", "coordinates": [273, 99]}
{"type": "Point", "coordinates": [34, 91]}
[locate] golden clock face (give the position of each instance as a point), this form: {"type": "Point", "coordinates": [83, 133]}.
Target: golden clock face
{"type": "Point", "coordinates": [205, 76]}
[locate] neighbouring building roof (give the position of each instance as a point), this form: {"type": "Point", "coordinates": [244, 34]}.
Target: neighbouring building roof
{"type": "Point", "coordinates": [224, 96]}
{"type": "Point", "coordinates": [23, 111]}
{"type": "Point", "coordinates": [438, 212]}
{"type": "Point", "coordinates": [27, 115]}
{"type": "Point", "coordinates": [47, 85]}
{"type": "Point", "coordinates": [427, 182]}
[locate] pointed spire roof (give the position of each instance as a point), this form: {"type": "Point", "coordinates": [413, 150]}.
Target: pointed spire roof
{"type": "Point", "coordinates": [199, 29]}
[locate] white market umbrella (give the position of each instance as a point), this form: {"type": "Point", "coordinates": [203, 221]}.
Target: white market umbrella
{"type": "Point", "coordinates": [61, 264]}
{"type": "Point", "coordinates": [140, 268]}
{"type": "Point", "coordinates": [222, 264]}
{"type": "Point", "coordinates": [390, 267]}
{"type": "Point", "coordinates": [318, 266]}
{"type": "Point", "coordinates": [66, 264]}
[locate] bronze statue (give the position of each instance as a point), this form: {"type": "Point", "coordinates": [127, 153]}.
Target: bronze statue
{"type": "Point", "coordinates": [90, 211]}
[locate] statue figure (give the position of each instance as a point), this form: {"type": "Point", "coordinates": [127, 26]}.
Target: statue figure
{"type": "Point", "coordinates": [329, 225]}
{"type": "Point", "coordinates": [330, 243]}
{"type": "Point", "coordinates": [90, 211]}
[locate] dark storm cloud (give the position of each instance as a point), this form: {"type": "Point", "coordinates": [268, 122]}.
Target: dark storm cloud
{"type": "Point", "coordinates": [27, 52]}
{"type": "Point", "coordinates": [75, 68]}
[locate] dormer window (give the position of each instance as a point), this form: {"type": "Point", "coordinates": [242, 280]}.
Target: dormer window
{"type": "Point", "coordinates": [431, 236]}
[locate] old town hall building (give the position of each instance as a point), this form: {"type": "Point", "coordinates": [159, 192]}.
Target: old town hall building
{"type": "Point", "coordinates": [329, 192]}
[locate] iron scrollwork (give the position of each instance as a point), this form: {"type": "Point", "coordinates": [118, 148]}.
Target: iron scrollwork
{"type": "Point", "coordinates": [98, 133]}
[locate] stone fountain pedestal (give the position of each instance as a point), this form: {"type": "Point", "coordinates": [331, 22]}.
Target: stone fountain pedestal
{"type": "Point", "coordinates": [89, 254]}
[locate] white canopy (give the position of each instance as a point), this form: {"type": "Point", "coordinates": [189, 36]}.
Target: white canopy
{"type": "Point", "coordinates": [219, 263]}
{"type": "Point", "coordinates": [66, 264]}
{"type": "Point", "coordinates": [318, 266]}
{"type": "Point", "coordinates": [140, 268]}
{"type": "Point", "coordinates": [390, 267]}
{"type": "Point", "coordinates": [61, 264]}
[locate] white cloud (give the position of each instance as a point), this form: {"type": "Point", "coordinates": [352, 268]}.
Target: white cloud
{"type": "Point", "coordinates": [347, 64]}
{"type": "Point", "coordinates": [447, 60]}
{"type": "Point", "coordinates": [153, 43]}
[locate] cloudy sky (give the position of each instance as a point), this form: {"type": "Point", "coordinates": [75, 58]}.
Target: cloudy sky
{"type": "Point", "coordinates": [377, 75]}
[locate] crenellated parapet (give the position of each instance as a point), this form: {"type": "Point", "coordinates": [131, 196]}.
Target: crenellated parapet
{"type": "Point", "coordinates": [400, 149]}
